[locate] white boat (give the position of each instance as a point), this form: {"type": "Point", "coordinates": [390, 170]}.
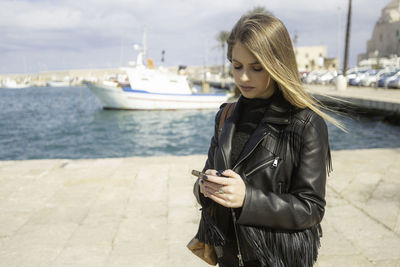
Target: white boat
{"type": "Point", "coordinates": [150, 88]}
{"type": "Point", "coordinates": [58, 83]}
{"type": "Point", "coordinates": [12, 84]}
{"type": "Point", "coordinates": [113, 96]}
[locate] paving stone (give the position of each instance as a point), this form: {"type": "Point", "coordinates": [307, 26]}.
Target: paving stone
{"type": "Point", "coordinates": [142, 212]}
{"type": "Point", "coordinates": [343, 261]}
{"type": "Point", "coordinates": [35, 245]}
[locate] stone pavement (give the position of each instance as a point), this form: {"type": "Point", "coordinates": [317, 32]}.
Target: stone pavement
{"type": "Point", "coordinates": [141, 211]}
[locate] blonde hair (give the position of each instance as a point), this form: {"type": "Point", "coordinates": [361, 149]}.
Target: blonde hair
{"type": "Point", "coordinates": [267, 38]}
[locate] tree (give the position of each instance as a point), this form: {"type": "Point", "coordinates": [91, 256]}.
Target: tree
{"type": "Point", "coordinates": [222, 38]}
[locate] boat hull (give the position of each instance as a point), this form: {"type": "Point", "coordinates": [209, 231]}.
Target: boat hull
{"type": "Point", "coordinates": [18, 86]}
{"type": "Point", "coordinates": [126, 98]}
{"type": "Point", "coordinates": [58, 83]}
{"type": "Point", "coordinates": [14, 85]}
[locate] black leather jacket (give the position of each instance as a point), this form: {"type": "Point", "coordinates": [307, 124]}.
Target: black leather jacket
{"type": "Point", "coordinates": [284, 166]}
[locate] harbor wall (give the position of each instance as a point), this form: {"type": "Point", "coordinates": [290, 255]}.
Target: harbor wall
{"type": "Point", "coordinates": [384, 103]}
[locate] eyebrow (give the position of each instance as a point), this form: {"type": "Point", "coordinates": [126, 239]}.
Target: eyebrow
{"type": "Point", "coordinates": [254, 63]}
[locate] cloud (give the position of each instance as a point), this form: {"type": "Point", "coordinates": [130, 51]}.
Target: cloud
{"type": "Point", "coordinates": [186, 29]}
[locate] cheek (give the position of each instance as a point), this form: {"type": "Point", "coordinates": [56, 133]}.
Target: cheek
{"type": "Point", "coordinates": [236, 75]}
{"type": "Point", "coordinates": [267, 81]}
{"type": "Point", "coordinates": [263, 80]}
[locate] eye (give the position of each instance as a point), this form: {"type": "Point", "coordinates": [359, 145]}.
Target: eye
{"type": "Point", "coordinates": [237, 67]}
{"type": "Point", "coordinates": [257, 68]}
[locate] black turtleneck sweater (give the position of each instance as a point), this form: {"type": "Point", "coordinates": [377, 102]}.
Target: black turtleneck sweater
{"type": "Point", "coordinates": [251, 113]}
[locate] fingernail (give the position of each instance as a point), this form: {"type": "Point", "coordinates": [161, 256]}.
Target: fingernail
{"type": "Point", "coordinates": [201, 181]}
{"type": "Point", "coordinates": [204, 177]}
{"type": "Point", "coordinates": [219, 173]}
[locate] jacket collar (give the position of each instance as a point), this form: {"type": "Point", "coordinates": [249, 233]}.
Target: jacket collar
{"type": "Point", "coordinates": [278, 112]}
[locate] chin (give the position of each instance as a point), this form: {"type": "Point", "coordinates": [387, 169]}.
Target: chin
{"type": "Point", "coordinates": [249, 95]}
{"type": "Point", "coordinates": [255, 94]}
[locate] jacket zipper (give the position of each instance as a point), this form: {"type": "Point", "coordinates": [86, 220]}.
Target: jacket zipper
{"type": "Point", "coordinates": [250, 151]}
{"type": "Point", "coordinates": [275, 163]}
{"type": "Point", "coordinates": [278, 146]}
{"type": "Point", "coordinates": [240, 257]}
{"type": "Point", "coordinates": [277, 150]}
{"type": "Point", "coordinates": [261, 166]}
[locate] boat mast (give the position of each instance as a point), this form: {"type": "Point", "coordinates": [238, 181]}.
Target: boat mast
{"type": "Point", "coordinates": [144, 44]}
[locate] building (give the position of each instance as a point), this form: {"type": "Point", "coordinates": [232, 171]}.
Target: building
{"type": "Point", "coordinates": [311, 58]}
{"type": "Point", "coordinates": [385, 40]}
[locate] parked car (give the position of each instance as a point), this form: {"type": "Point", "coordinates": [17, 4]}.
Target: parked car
{"type": "Point", "coordinates": [395, 83]}
{"type": "Point", "coordinates": [372, 79]}
{"type": "Point", "coordinates": [312, 76]}
{"type": "Point", "coordinates": [353, 72]}
{"type": "Point", "coordinates": [326, 78]}
{"type": "Point", "coordinates": [358, 76]}
{"type": "Point", "coordinates": [385, 79]}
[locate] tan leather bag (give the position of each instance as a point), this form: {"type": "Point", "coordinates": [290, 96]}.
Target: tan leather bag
{"type": "Point", "coordinates": [206, 251]}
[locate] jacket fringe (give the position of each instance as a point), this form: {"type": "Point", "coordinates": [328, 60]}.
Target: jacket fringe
{"type": "Point", "coordinates": [208, 231]}
{"type": "Point", "coordinates": [329, 167]}
{"type": "Point", "coordinates": [294, 136]}
{"type": "Point", "coordinates": [284, 248]}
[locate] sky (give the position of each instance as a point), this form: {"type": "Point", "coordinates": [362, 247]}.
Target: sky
{"type": "Point", "coordinates": [44, 35]}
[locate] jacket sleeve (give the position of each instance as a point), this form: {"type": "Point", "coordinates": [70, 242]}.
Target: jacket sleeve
{"type": "Point", "coordinates": [304, 204]}
{"type": "Point", "coordinates": [210, 159]}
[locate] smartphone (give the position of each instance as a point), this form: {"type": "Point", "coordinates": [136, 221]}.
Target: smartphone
{"type": "Point", "coordinates": [199, 174]}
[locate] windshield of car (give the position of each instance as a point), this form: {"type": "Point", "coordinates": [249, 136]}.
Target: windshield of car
{"type": "Point", "coordinates": [389, 74]}
{"type": "Point", "coordinates": [372, 72]}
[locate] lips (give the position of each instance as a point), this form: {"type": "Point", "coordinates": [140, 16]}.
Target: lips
{"type": "Point", "coordinates": [246, 88]}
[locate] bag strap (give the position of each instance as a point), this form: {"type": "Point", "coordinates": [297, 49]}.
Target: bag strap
{"type": "Point", "coordinates": [226, 113]}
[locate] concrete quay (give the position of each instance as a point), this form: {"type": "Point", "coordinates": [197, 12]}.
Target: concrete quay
{"type": "Point", "coordinates": [141, 211]}
{"type": "Point", "coordinates": [378, 101]}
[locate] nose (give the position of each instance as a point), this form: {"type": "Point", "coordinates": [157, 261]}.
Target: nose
{"type": "Point", "coordinates": [244, 76]}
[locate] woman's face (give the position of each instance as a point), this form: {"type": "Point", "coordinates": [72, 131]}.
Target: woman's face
{"type": "Point", "coordinates": [251, 78]}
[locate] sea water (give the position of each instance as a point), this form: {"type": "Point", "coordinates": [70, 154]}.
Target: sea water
{"type": "Point", "coordinates": [49, 122]}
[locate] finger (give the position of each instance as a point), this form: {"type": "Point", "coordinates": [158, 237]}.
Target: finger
{"type": "Point", "coordinates": [218, 193]}
{"type": "Point", "coordinates": [205, 193]}
{"type": "Point", "coordinates": [201, 185]}
{"type": "Point", "coordinates": [220, 189]}
{"type": "Point", "coordinates": [211, 185]}
{"type": "Point", "coordinates": [211, 172]}
{"type": "Point", "coordinates": [230, 173]}
{"type": "Point", "coordinates": [218, 180]}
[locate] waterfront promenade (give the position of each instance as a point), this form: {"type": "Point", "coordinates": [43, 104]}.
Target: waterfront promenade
{"type": "Point", "coordinates": [376, 101]}
{"type": "Point", "coordinates": [366, 93]}
{"type": "Point", "coordinates": [141, 211]}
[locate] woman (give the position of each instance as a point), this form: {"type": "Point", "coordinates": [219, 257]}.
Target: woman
{"type": "Point", "coordinates": [266, 170]}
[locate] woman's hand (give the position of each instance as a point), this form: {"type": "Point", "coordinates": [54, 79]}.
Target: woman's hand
{"type": "Point", "coordinates": [229, 191]}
